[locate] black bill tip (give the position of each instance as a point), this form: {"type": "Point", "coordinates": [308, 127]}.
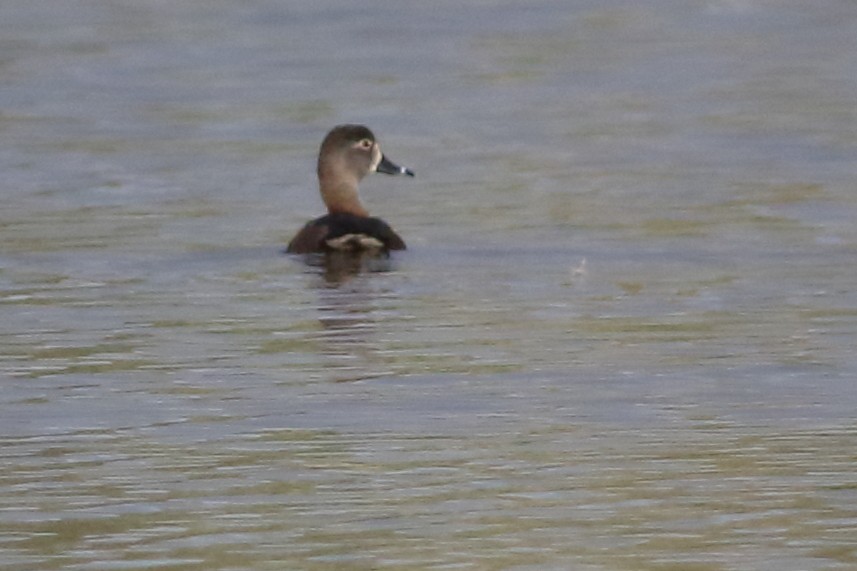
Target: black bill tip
{"type": "Point", "coordinates": [388, 167]}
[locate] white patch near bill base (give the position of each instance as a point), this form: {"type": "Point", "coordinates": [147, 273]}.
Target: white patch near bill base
{"type": "Point", "coordinates": [377, 155]}
{"type": "Point", "coordinates": [355, 242]}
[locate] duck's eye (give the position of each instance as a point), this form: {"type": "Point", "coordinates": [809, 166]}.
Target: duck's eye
{"type": "Point", "coordinates": [365, 144]}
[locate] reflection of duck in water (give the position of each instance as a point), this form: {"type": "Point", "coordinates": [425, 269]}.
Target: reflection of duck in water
{"type": "Point", "coordinates": [347, 153]}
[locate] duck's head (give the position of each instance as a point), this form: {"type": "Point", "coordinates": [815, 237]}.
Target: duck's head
{"type": "Point", "coordinates": [347, 154]}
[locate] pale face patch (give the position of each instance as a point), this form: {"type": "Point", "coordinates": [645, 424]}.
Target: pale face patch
{"type": "Point", "coordinates": [376, 158]}
{"type": "Point", "coordinates": [369, 147]}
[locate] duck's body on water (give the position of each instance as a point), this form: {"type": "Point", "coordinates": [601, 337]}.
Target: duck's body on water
{"type": "Point", "coordinates": [347, 154]}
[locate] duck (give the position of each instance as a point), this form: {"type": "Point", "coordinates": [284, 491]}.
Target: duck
{"type": "Point", "coordinates": [347, 154]}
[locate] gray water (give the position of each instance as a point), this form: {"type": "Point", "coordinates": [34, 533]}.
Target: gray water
{"type": "Point", "coordinates": [622, 337]}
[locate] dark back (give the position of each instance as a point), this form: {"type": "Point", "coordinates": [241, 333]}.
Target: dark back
{"type": "Point", "coordinates": [314, 236]}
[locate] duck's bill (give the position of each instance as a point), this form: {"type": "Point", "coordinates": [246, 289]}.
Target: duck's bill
{"type": "Point", "coordinates": [389, 167]}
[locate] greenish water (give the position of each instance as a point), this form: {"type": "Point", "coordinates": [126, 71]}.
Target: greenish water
{"type": "Point", "coordinates": [622, 337]}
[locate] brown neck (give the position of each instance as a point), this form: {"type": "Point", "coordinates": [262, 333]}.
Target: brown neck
{"type": "Point", "coordinates": [340, 196]}
{"type": "Point", "coordinates": [338, 184]}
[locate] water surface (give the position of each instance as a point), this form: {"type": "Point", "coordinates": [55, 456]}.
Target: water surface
{"type": "Point", "coordinates": [621, 338]}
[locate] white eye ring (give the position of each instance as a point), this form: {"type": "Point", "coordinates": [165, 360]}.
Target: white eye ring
{"type": "Point", "coordinates": [366, 144]}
